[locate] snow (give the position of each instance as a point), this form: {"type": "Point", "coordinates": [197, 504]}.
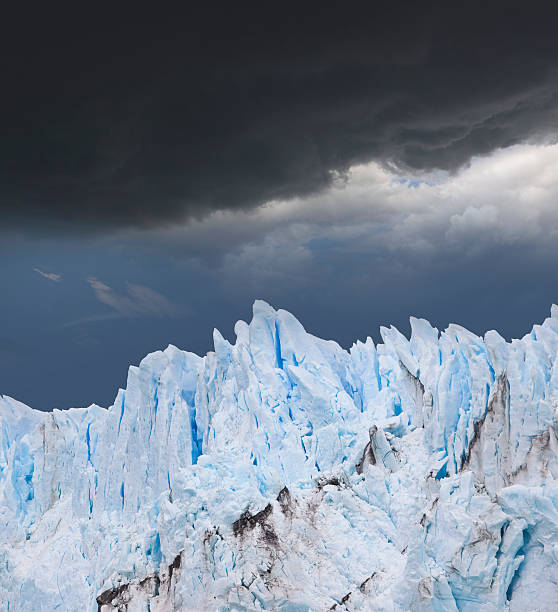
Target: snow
{"type": "Point", "coordinates": [285, 473]}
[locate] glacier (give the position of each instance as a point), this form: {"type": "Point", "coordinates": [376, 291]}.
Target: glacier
{"type": "Point", "coordinates": [283, 472]}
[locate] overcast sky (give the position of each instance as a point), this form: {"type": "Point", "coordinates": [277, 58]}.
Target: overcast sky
{"type": "Point", "coordinates": [160, 172]}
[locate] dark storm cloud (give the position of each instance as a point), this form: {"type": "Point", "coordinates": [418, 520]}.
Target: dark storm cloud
{"type": "Point", "coordinates": [125, 119]}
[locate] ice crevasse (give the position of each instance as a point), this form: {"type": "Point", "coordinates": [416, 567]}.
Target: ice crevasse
{"type": "Point", "coordinates": [283, 472]}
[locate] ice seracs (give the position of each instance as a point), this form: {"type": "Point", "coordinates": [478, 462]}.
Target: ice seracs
{"type": "Point", "coordinates": [282, 472]}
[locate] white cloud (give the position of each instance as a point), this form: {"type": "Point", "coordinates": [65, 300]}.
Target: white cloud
{"type": "Point", "coordinates": [472, 221]}
{"type": "Point", "coordinates": [50, 275]}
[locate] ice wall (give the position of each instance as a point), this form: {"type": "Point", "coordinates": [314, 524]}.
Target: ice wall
{"type": "Point", "coordinates": [285, 473]}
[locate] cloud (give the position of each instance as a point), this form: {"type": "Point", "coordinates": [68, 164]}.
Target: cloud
{"type": "Point", "coordinates": [507, 198]}
{"type": "Point", "coordinates": [50, 275]}
{"type": "Point", "coordinates": [225, 113]}
{"type": "Point", "coordinates": [138, 301]}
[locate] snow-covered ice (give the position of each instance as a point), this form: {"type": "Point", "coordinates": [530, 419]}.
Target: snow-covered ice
{"type": "Point", "coordinates": [285, 473]}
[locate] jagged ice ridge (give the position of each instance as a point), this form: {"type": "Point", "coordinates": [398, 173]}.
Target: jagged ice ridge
{"type": "Point", "coordinates": [285, 473]}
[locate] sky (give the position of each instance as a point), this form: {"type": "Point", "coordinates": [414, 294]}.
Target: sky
{"type": "Point", "coordinates": [355, 166]}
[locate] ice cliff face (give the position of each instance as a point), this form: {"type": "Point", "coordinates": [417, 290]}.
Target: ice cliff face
{"type": "Point", "coordinates": [285, 473]}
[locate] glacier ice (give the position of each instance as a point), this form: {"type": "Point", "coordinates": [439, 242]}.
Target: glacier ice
{"type": "Point", "coordinates": [286, 473]}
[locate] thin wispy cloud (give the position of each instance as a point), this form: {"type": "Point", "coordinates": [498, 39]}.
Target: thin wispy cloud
{"type": "Point", "coordinates": [49, 275]}
{"type": "Point", "coordinates": [138, 300]}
